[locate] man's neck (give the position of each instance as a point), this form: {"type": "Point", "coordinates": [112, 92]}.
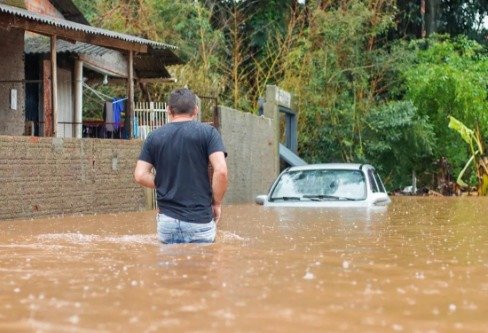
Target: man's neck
{"type": "Point", "coordinates": [181, 117]}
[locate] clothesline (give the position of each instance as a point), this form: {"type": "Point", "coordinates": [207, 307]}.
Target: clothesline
{"type": "Point", "coordinates": [103, 96]}
{"type": "Point", "coordinates": [100, 95]}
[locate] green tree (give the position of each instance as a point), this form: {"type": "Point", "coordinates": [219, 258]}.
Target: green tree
{"type": "Point", "coordinates": [398, 141]}
{"type": "Point", "coordinates": [181, 23]}
{"type": "Point", "coordinates": [337, 71]}
{"type": "Point", "coordinates": [449, 78]}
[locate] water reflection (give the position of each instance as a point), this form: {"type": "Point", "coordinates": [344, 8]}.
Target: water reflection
{"type": "Point", "coordinates": [419, 265]}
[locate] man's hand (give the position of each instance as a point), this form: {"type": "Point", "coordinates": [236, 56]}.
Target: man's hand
{"type": "Point", "coordinates": [217, 212]}
{"type": "Point", "coordinates": [219, 182]}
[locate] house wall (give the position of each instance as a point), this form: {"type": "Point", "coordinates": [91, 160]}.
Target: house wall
{"type": "Point", "coordinates": [11, 69]}
{"type": "Point", "coordinates": [251, 148]}
{"type": "Point", "coordinates": [53, 176]}
{"type": "Point", "coordinates": [44, 7]}
{"type": "Point", "coordinates": [45, 176]}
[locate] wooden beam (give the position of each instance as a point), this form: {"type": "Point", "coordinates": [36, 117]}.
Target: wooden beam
{"type": "Point", "coordinates": [54, 83]}
{"type": "Point", "coordinates": [113, 64]}
{"type": "Point", "coordinates": [10, 21]}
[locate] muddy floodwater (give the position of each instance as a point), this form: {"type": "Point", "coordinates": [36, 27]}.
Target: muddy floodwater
{"type": "Point", "coordinates": [421, 265]}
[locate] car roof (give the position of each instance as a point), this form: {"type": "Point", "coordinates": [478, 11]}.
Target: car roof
{"type": "Point", "coordinates": [331, 166]}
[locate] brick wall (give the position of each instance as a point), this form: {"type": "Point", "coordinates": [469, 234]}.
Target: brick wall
{"type": "Point", "coordinates": [44, 7]}
{"type": "Point", "coordinates": [250, 143]}
{"type": "Point", "coordinates": [52, 176]}
{"type": "Point", "coordinates": [11, 76]}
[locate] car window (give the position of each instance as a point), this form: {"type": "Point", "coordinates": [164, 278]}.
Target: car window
{"type": "Point", "coordinates": [348, 184]}
{"type": "Point", "coordinates": [372, 182]}
{"type": "Point", "coordinates": [379, 182]}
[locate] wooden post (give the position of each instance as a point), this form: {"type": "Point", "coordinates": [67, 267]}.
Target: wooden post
{"type": "Point", "coordinates": [54, 84]}
{"type": "Point", "coordinates": [78, 118]}
{"type": "Point", "coordinates": [47, 126]}
{"type": "Point", "coordinates": [130, 96]}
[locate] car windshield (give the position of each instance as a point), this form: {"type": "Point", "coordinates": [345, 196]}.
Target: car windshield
{"type": "Point", "coordinates": [320, 185]}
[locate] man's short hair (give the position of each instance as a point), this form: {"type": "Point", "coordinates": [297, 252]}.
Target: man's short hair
{"type": "Point", "coordinates": [182, 101]}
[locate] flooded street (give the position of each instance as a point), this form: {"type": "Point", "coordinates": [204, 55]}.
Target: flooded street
{"type": "Point", "coordinates": [421, 265]}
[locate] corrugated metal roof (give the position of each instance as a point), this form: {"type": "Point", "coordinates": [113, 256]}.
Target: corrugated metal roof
{"type": "Point", "coordinates": [42, 45]}
{"type": "Point", "coordinates": [69, 25]}
{"type": "Point", "coordinates": [150, 65]}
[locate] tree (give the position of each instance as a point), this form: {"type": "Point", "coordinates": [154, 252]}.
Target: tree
{"type": "Point", "coordinates": [449, 78]}
{"type": "Point", "coordinates": [337, 71]}
{"type": "Point", "coordinates": [453, 17]}
{"type": "Point", "coordinates": [398, 141]}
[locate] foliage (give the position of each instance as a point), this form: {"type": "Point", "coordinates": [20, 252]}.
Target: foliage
{"type": "Point", "coordinates": [473, 139]}
{"type": "Point", "coordinates": [398, 141]}
{"type": "Point", "coordinates": [337, 72]}
{"type": "Point", "coordinates": [181, 23]}
{"type": "Point", "coordinates": [449, 78]}
{"type": "Point", "coordinates": [361, 92]}
{"type": "Point", "coordinates": [453, 17]}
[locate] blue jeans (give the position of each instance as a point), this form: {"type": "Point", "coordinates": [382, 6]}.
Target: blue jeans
{"type": "Point", "coordinates": [171, 231]}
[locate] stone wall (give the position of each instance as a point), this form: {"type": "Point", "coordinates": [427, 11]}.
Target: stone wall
{"type": "Point", "coordinates": [53, 176]}
{"type": "Point", "coordinates": [251, 148]}
{"type": "Point", "coordinates": [11, 76]}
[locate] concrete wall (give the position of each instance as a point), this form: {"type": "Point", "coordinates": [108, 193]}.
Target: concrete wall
{"type": "Point", "coordinates": [52, 176]}
{"type": "Point", "coordinates": [11, 69]}
{"type": "Point", "coordinates": [250, 143]}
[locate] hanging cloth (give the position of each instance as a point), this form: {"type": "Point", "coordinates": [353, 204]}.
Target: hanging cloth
{"type": "Point", "coordinates": [118, 108]}
{"type": "Point", "coordinates": [109, 117]}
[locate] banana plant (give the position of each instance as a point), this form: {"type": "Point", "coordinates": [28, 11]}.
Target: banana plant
{"type": "Point", "coordinates": [480, 162]}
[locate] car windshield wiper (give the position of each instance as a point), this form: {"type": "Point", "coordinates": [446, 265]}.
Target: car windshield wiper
{"type": "Point", "coordinates": [286, 198]}
{"type": "Point", "coordinates": [319, 197]}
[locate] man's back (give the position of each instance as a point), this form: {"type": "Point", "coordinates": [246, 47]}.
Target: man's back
{"type": "Point", "coordinates": [179, 152]}
{"type": "Point", "coordinates": [190, 206]}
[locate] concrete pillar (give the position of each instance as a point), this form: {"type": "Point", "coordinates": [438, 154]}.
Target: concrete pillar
{"type": "Point", "coordinates": [271, 111]}
{"type": "Point", "coordinates": [78, 117]}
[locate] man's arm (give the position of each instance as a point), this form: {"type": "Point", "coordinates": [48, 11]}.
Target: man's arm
{"type": "Point", "coordinates": [219, 182]}
{"type": "Point", "coordinates": [143, 174]}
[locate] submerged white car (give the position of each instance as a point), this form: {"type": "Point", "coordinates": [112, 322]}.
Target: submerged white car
{"type": "Point", "coordinates": [327, 185]}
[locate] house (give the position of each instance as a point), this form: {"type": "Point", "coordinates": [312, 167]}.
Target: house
{"type": "Point", "coordinates": [49, 56]}
{"type": "Point", "coordinates": [49, 50]}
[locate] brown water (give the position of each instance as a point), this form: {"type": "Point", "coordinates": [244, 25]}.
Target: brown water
{"type": "Point", "coordinates": [419, 266]}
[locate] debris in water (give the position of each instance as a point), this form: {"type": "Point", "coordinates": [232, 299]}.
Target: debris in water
{"type": "Point", "coordinates": [74, 319]}
{"type": "Point", "coordinates": [345, 264]}
{"type": "Point", "coordinates": [309, 276]}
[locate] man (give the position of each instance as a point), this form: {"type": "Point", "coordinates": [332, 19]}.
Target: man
{"type": "Point", "coordinates": [180, 151]}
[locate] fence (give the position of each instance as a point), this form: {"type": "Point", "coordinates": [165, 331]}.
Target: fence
{"type": "Point", "coordinates": [147, 117]}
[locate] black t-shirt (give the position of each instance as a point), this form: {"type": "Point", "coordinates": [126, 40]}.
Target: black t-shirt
{"type": "Point", "coordinates": [179, 152]}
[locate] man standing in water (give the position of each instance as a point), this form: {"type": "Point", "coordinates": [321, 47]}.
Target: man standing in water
{"type": "Point", "coordinates": [180, 152]}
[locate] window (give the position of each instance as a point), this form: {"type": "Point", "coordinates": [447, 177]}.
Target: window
{"type": "Point", "coordinates": [320, 184]}
{"type": "Point", "coordinates": [372, 181]}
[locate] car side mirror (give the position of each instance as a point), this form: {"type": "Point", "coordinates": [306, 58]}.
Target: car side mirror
{"type": "Point", "coordinates": [261, 199]}
{"type": "Point", "coordinates": [380, 199]}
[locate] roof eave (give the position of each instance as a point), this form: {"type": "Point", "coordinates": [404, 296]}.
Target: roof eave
{"type": "Point", "coordinates": [20, 18]}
